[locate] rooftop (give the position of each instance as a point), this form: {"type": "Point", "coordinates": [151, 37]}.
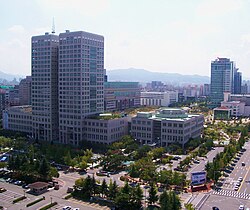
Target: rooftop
{"type": "Point", "coordinates": [25, 108]}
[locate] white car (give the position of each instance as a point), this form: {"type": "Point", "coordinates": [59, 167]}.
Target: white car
{"type": "Point", "coordinates": [241, 207]}
{"type": "Point", "coordinates": [237, 184]}
{"type": "Point", "coordinates": [236, 188]}
{"type": "Point", "coordinates": [66, 208]}
{"type": "Point", "coordinates": [240, 179]}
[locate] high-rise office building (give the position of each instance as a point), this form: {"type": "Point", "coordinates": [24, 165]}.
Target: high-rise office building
{"type": "Point", "coordinates": [222, 79]}
{"type": "Point", "coordinates": [81, 82]}
{"type": "Point", "coordinates": [237, 81]}
{"type": "Point", "coordinates": [44, 92]}
{"type": "Point", "coordinates": [25, 91]}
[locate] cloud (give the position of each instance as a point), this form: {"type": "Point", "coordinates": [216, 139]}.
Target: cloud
{"type": "Point", "coordinates": [212, 8]}
{"type": "Point", "coordinates": [17, 29]}
{"type": "Point", "coordinates": [86, 7]}
{"type": "Point", "coordinates": [245, 39]}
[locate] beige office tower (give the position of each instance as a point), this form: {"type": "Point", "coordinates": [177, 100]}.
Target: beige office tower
{"type": "Point", "coordinates": [81, 82]}
{"type": "Point", "coordinates": [44, 91]}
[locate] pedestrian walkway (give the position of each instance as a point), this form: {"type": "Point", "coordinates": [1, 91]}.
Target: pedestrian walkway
{"type": "Point", "coordinates": [230, 193]}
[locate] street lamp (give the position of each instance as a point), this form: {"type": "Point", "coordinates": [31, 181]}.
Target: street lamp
{"type": "Point", "coordinates": [51, 200]}
{"type": "Point", "coordinates": [24, 193]}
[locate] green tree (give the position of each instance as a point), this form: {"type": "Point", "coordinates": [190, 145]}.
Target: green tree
{"type": "Point", "coordinates": [104, 188]}
{"type": "Point", "coordinates": [44, 168]}
{"type": "Point", "coordinates": [165, 202]}
{"type": "Point", "coordinates": [137, 195]}
{"type": "Point", "coordinates": [153, 197]}
{"type": "Point", "coordinates": [113, 190]}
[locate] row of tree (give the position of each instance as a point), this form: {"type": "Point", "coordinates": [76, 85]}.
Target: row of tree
{"type": "Point", "coordinates": [29, 169]}
{"type": "Point", "coordinates": [126, 197]}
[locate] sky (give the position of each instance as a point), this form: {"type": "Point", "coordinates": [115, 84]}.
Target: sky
{"type": "Point", "coordinates": [173, 36]}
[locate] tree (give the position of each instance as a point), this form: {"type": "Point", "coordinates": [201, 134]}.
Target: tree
{"type": "Point", "coordinates": [44, 168]}
{"type": "Point", "coordinates": [104, 187]}
{"type": "Point", "coordinates": [153, 197]}
{"type": "Point", "coordinates": [137, 196]}
{"type": "Point", "coordinates": [67, 159]}
{"type": "Point", "coordinates": [176, 204]}
{"type": "Point", "coordinates": [113, 190]}
{"type": "Point", "coordinates": [165, 201]}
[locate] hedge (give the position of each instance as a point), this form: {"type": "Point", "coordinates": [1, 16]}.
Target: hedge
{"type": "Point", "coordinates": [48, 206]}
{"type": "Point", "coordinates": [19, 199]}
{"type": "Point", "coordinates": [68, 196]}
{"type": "Point", "coordinates": [34, 202]}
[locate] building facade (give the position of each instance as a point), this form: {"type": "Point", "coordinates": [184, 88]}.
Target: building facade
{"type": "Point", "coordinates": [44, 93]}
{"type": "Point", "coordinates": [165, 126]}
{"type": "Point", "coordinates": [25, 91]}
{"type": "Point", "coordinates": [121, 95]}
{"type": "Point", "coordinates": [159, 98]}
{"type": "Point", "coordinates": [81, 78]}
{"type": "Point", "coordinates": [237, 82]}
{"type": "Point", "coordinates": [105, 129]}
{"type": "Point", "coordinates": [222, 79]}
{"type": "Point", "coordinates": [18, 118]}
{"type": "Point", "coordinates": [239, 104]}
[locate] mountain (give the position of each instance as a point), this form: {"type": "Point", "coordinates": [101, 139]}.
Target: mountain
{"type": "Point", "coordinates": [9, 77]}
{"type": "Point", "coordinates": [143, 76]}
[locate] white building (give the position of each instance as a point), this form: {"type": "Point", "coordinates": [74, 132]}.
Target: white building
{"type": "Point", "coordinates": [159, 98]}
{"type": "Point", "coordinates": [165, 126]}
{"type": "Point", "coordinates": [18, 118]}
{"type": "Point", "coordinates": [239, 104]}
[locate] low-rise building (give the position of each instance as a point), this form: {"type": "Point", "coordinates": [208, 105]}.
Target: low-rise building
{"type": "Point", "coordinates": [222, 113]}
{"type": "Point", "coordinates": [159, 98]}
{"type": "Point", "coordinates": [105, 128]}
{"type": "Point", "coordinates": [18, 118]}
{"type": "Point", "coordinates": [239, 104]}
{"type": "Point", "coordinates": [121, 95]}
{"type": "Point", "coordinates": [165, 126]}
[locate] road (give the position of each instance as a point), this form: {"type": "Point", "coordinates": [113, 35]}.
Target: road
{"type": "Point", "coordinates": [201, 166]}
{"type": "Point", "coordinates": [226, 197]}
{"type": "Point", "coordinates": [239, 171]}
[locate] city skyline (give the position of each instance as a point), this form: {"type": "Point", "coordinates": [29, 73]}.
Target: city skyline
{"type": "Point", "coordinates": [168, 36]}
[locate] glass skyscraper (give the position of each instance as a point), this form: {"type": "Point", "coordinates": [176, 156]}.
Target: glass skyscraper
{"type": "Point", "coordinates": [222, 79]}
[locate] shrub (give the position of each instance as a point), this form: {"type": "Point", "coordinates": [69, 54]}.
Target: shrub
{"type": "Point", "coordinates": [34, 202]}
{"type": "Point", "coordinates": [68, 196]}
{"type": "Point", "coordinates": [19, 199]}
{"type": "Point", "coordinates": [48, 206]}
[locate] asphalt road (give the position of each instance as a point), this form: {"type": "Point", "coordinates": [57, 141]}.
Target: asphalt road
{"type": "Point", "coordinates": [201, 166]}
{"type": "Point", "coordinates": [240, 171]}
{"type": "Point", "coordinates": [227, 198]}
{"type": "Point", "coordinates": [224, 203]}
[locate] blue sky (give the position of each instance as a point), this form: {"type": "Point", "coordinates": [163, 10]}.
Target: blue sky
{"type": "Point", "coordinates": [181, 36]}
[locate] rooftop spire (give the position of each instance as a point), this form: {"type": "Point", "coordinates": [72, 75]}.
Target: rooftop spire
{"type": "Point", "coordinates": [53, 26]}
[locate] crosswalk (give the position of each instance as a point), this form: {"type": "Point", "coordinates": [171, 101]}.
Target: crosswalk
{"type": "Point", "coordinates": [230, 193]}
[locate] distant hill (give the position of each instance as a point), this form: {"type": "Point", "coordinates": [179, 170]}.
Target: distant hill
{"type": "Point", "coordinates": [9, 77]}
{"type": "Point", "coordinates": [143, 76]}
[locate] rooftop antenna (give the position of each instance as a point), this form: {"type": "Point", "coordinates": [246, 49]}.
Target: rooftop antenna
{"type": "Point", "coordinates": [53, 26]}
